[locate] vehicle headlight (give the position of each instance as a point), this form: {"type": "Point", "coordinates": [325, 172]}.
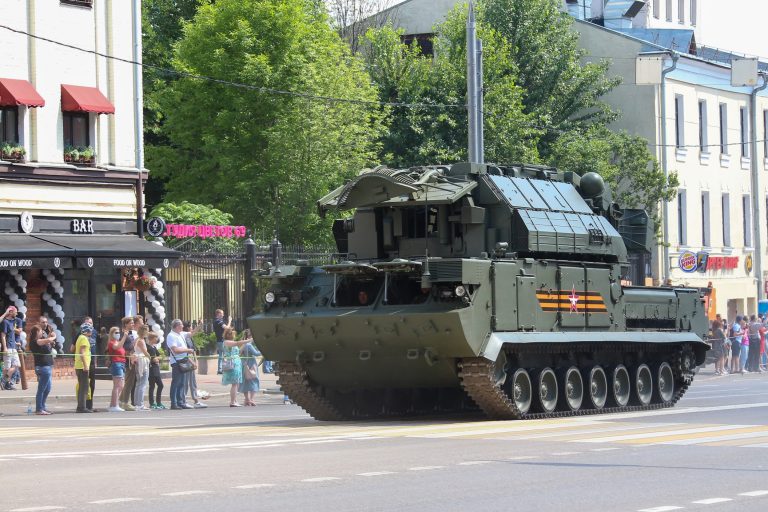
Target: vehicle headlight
{"type": "Point", "coordinates": [269, 297]}
{"type": "Point", "coordinates": [460, 291]}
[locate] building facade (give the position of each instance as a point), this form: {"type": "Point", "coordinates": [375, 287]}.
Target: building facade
{"type": "Point", "coordinates": [71, 167]}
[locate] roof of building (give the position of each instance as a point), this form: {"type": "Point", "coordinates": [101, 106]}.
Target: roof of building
{"type": "Point", "coordinates": [680, 40]}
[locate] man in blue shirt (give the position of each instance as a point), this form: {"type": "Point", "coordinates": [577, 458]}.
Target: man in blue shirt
{"type": "Point", "coordinates": [11, 328]}
{"type": "Point", "coordinates": [218, 329]}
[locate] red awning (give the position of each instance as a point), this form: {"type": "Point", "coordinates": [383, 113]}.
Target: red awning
{"type": "Point", "coordinates": [15, 92]}
{"type": "Point", "coordinates": [76, 98]}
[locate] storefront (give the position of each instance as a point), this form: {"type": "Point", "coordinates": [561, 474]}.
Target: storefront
{"type": "Point", "coordinates": [76, 267]}
{"type": "Point", "coordinates": [731, 277]}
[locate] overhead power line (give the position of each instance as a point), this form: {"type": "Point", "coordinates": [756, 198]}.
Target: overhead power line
{"type": "Point", "coordinates": [251, 87]}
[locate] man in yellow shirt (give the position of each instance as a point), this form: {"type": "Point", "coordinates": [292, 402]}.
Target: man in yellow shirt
{"type": "Point", "coordinates": [82, 364]}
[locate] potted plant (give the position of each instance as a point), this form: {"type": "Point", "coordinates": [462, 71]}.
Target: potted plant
{"type": "Point", "coordinates": [71, 154]}
{"type": "Point", "coordinates": [87, 155]}
{"type": "Point", "coordinates": [12, 152]}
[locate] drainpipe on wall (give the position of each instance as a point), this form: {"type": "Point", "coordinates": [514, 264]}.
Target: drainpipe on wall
{"type": "Point", "coordinates": [32, 56]}
{"type": "Point", "coordinates": [665, 204]}
{"type": "Point", "coordinates": [756, 197]}
{"type": "Point", "coordinates": [138, 116]}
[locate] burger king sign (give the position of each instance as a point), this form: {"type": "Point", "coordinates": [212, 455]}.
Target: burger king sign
{"type": "Point", "coordinates": [688, 262]}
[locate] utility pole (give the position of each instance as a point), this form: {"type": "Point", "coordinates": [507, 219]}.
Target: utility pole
{"type": "Point", "coordinates": [474, 90]}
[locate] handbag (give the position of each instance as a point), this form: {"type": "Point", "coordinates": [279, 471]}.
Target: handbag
{"type": "Point", "coordinates": [227, 364]}
{"type": "Point", "coordinates": [185, 365]}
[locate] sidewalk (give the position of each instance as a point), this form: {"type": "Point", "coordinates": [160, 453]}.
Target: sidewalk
{"type": "Point", "coordinates": [63, 392]}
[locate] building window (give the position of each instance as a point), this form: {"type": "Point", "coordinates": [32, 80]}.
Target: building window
{"type": "Point", "coordinates": [744, 124]}
{"type": "Point", "coordinates": [765, 133]}
{"type": "Point", "coordinates": [694, 8]}
{"type": "Point", "coordinates": [656, 8]}
{"type": "Point", "coordinates": [682, 228]}
{"type": "Point", "coordinates": [76, 130]}
{"type": "Point", "coordinates": [726, 220]}
{"type": "Point", "coordinates": [705, 238]}
{"type": "Point", "coordinates": [669, 10]}
{"type": "Point", "coordinates": [9, 125]}
{"type": "Point", "coordinates": [723, 128]}
{"type": "Point", "coordinates": [747, 221]}
{"type": "Point", "coordinates": [681, 11]}
{"type": "Point", "coordinates": [703, 139]}
{"type": "Point", "coordinates": [679, 121]}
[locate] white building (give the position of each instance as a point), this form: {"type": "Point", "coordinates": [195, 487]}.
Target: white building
{"type": "Point", "coordinates": [71, 172]}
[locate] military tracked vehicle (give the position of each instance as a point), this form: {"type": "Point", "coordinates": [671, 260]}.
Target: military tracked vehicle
{"type": "Point", "coordinates": [487, 287]}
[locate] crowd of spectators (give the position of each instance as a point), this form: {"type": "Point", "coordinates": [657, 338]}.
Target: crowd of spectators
{"type": "Point", "coordinates": [134, 357]}
{"type": "Point", "coordinates": [739, 346]}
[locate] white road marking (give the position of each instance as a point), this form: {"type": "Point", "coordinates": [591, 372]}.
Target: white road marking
{"type": "Point", "coordinates": [114, 500]}
{"type": "Point", "coordinates": [754, 493]}
{"type": "Point", "coordinates": [199, 450]}
{"type": "Point", "coordinates": [321, 479]}
{"type": "Point", "coordinates": [64, 456]}
{"type": "Point", "coordinates": [37, 509]}
{"type": "Point", "coordinates": [377, 473]}
{"type": "Point", "coordinates": [503, 430]}
{"type": "Point", "coordinates": [660, 509]}
{"type": "Point", "coordinates": [712, 501]}
{"type": "Point", "coordinates": [253, 486]}
{"type": "Point", "coordinates": [522, 457]}
{"type": "Point", "coordinates": [558, 454]}
{"type": "Point", "coordinates": [708, 397]}
{"type": "Point", "coordinates": [323, 441]}
{"type": "Point", "coordinates": [186, 493]}
{"type": "Point", "coordinates": [649, 435]}
{"type": "Point", "coordinates": [684, 410]}
{"type": "Point", "coordinates": [712, 439]}
{"type": "Point", "coordinates": [425, 468]}
{"type": "Point", "coordinates": [606, 449]}
{"type": "Point", "coordinates": [475, 462]}
{"type": "Point", "coordinates": [599, 430]}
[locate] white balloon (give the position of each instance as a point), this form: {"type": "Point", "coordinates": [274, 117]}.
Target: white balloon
{"type": "Point", "coordinates": [14, 272]}
{"type": "Point", "coordinates": [8, 290]}
{"type": "Point", "coordinates": [159, 285]}
{"type": "Point", "coordinates": [13, 297]}
{"type": "Point", "coordinates": [155, 304]}
{"type": "Point", "coordinates": [50, 302]}
{"type": "Point", "coordinates": [60, 338]}
{"type": "Point", "coordinates": [49, 278]}
{"type": "Point", "coordinates": [23, 309]}
{"type": "Point", "coordinates": [23, 283]}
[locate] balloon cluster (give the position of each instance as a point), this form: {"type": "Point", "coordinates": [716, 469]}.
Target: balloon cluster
{"type": "Point", "coordinates": [155, 303]}
{"type": "Point", "coordinates": [16, 290]}
{"type": "Point", "coordinates": [53, 300]}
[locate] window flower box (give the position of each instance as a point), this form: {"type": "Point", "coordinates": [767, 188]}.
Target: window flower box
{"type": "Point", "coordinates": [12, 152]}
{"type": "Point", "coordinates": [79, 155]}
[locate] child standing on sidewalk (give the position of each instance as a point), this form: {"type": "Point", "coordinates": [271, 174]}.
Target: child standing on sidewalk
{"type": "Point", "coordinates": [154, 372]}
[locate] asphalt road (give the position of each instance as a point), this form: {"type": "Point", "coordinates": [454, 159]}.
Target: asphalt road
{"type": "Point", "coordinates": [708, 453]}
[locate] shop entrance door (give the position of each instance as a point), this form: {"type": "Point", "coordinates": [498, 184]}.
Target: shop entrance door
{"type": "Point", "coordinates": [76, 304]}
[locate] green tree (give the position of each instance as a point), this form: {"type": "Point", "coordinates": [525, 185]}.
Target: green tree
{"type": "Point", "coordinates": [162, 24]}
{"type": "Point", "coordinates": [265, 156]}
{"type": "Point", "coordinates": [542, 103]}
{"type": "Point", "coordinates": [191, 213]}
{"type": "Point", "coordinates": [421, 133]}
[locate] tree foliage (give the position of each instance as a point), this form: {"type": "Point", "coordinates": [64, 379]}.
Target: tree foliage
{"type": "Point", "coordinates": [191, 213]}
{"type": "Point", "coordinates": [264, 156]}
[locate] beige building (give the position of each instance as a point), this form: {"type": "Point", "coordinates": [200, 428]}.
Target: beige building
{"type": "Point", "coordinates": [71, 162]}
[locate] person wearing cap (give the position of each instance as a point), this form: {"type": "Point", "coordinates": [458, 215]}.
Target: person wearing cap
{"type": "Point", "coordinates": [82, 364]}
{"type": "Point", "coordinates": [11, 328]}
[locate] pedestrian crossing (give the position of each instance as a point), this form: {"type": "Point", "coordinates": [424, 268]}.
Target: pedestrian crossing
{"type": "Point", "coordinates": [587, 431]}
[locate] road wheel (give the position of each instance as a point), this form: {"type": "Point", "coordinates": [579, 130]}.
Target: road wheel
{"type": "Point", "coordinates": [598, 387]}
{"type": "Point", "coordinates": [522, 390]}
{"type": "Point", "coordinates": [621, 387]}
{"type": "Point", "coordinates": [665, 383]}
{"type": "Point", "coordinates": [547, 385]}
{"type": "Point", "coordinates": [573, 389]}
{"type": "Point", "coordinates": [643, 385]}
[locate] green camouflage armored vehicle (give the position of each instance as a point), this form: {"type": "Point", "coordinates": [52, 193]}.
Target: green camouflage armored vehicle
{"type": "Point", "coordinates": [464, 287]}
